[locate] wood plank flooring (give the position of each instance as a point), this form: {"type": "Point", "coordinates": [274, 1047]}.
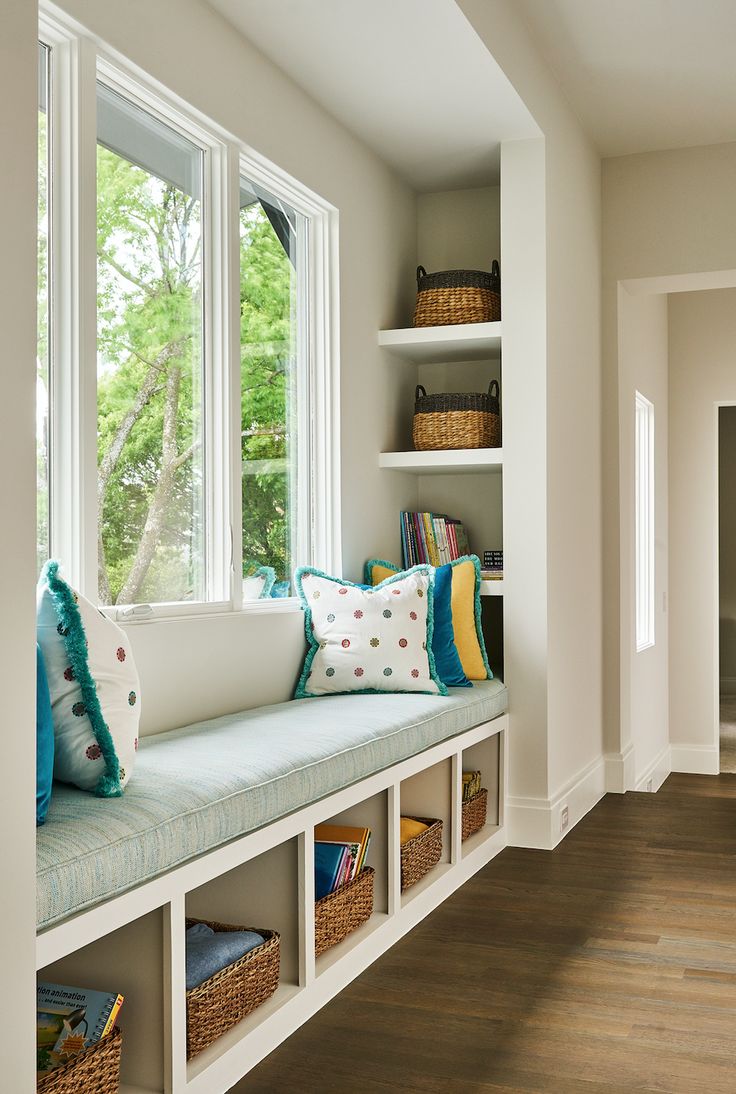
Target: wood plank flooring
{"type": "Point", "coordinates": [606, 965]}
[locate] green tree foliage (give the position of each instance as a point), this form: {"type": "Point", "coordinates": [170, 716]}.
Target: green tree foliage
{"type": "Point", "coordinates": [267, 341]}
{"type": "Point", "coordinates": [149, 387]}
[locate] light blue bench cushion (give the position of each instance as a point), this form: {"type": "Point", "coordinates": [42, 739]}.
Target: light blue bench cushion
{"type": "Point", "coordinates": [198, 787]}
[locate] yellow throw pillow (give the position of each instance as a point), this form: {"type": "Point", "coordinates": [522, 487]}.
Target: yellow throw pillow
{"type": "Point", "coordinates": [411, 828]}
{"type": "Point", "coordinates": [465, 576]}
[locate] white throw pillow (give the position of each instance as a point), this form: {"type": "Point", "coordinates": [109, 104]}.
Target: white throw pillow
{"type": "Point", "coordinates": [94, 686]}
{"type": "Point", "coordinates": [362, 639]}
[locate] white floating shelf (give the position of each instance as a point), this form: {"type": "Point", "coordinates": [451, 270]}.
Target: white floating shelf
{"type": "Point", "coordinates": [491, 588]}
{"type": "Point", "coordinates": [433, 345]}
{"type": "Point", "coordinates": [453, 462]}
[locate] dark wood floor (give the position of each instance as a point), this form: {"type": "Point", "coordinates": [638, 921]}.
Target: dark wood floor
{"type": "Point", "coordinates": [606, 965]}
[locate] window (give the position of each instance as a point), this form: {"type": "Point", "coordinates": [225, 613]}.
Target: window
{"type": "Point", "coordinates": [275, 509]}
{"type": "Point", "coordinates": [644, 530]}
{"type": "Point", "coordinates": [152, 542]}
{"type": "Point", "coordinates": [188, 427]}
{"type": "Point", "coordinates": [43, 351]}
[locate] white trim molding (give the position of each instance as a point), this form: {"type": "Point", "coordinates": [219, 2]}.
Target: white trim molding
{"type": "Point", "coordinates": [620, 769]}
{"type": "Point", "coordinates": [537, 822]}
{"type": "Point", "coordinates": [655, 773]}
{"type": "Point", "coordinates": [695, 759]}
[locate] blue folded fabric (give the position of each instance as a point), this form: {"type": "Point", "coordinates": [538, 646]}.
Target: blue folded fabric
{"type": "Point", "coordinates": [211, 951]}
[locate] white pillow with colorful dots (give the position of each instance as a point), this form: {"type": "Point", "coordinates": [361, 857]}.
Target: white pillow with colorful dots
{"type": "Point", "coordinates": [368, 639]}
{"type": "Point", "coordinates": [94, 688]}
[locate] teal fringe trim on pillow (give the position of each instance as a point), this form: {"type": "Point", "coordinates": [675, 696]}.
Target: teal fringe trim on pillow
{"type": "Point", "coordinates": [75, 642]}
{"type": "Point", "coordinates": [301, 688]}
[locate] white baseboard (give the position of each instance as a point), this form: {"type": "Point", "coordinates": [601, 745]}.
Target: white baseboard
{"type": "Point", "coordinates": [728, 685]}
{"type": "Point", "coordinates": [536, 822]}
{"type": "Point", "coordinates": [655, 772]}
{"type": "Point", "coordinates": [620, 768]}
{"type": "Point", "coordinates": [696, 759]}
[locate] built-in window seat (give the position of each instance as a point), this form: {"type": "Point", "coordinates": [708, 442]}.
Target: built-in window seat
{"type": "Point", "coordinates": [197, 787]}
{"type": "Point", "coordinates": [218, 823]}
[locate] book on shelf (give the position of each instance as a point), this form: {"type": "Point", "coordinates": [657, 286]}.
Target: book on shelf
{"type": "Point", "coordinates": [491, 575]}
{"type": "Point", "coordinates": [69, 1020]}
{"type": "Point", "coordinates": [493, 560]}
{"type": "Point", "coordinates": [432, 538]}
{"type": "Point", "coordinates": [340, 852]}
{"type": "Point", "coordinates": [471, 784]}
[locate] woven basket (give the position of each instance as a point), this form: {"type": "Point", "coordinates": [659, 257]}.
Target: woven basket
{"type": "Point", "coordinates": [421, 853]}
{"type": "Point", "coordinates": [457, 296]}
{"type": "Point", "coordinates": [457, 419]}
{"type": "Point", "coordinates": [474, 813]}
{"type": "Point", "coordinates": [219, 1003]}
{"type": "Point", "coordinates": [94, 1071]}
{"type": "Point", "coordinates": [338, 914]}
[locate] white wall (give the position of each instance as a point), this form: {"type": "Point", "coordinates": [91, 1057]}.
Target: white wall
{"type": "Point", "coordinates": [569, 733]}
{"type": "Point", "coordinates": [201, 58]}
{"type": "Point", "coordinates": [643, 367]}
{"type": "Point", "coordinates": [18, 124]}
{"type": "Point", "coordinates": [665, 215]}
{"type": "Point", "coordinates": [727, 548]}
{"type": "Point", "coordinates": [702, 335]}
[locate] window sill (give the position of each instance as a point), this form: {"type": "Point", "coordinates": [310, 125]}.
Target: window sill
{"type": "Point", "coordinates": [278, 606]}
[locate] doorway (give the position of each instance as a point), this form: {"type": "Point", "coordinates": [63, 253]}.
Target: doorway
{"type": "Point", "coordinates": [727, 586]}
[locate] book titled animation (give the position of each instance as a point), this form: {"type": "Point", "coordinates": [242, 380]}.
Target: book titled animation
{"type": "Point", "coordinates": [69, 1020]}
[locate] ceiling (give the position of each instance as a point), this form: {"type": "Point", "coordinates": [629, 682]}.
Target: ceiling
{"type": "Point", "coordinates": [643, 75]}
{"type": "Point", "coordinates": [410, 78]}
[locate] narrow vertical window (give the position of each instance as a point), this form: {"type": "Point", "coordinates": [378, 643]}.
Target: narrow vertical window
{"type": "Point", "coordinates": [151, 489]}
{"type": "Point", "coordinates": [43, 349]}
{"type": "Point", "coordinates": [275, 385]}
{"type": "Point", "coordinates": [644, 531]}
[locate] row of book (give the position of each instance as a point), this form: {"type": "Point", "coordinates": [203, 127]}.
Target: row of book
{"type": "Point", "coordinates": [340, 852]}
{"type": "Point", "coordinates": [432, 538]}
{"type": "Point", "coordinates": [69, 1020]}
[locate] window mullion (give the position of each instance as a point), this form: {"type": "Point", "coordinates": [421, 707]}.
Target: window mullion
{"type": "Point", "coordinates": [73, 302]}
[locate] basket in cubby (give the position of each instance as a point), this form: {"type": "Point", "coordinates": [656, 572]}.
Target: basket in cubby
{"type": "Point", "coordinates": [474, 813]}
{"type": "Point", "coordinates": [96, 1070]}
{"type": "Point", "coordinates": [340, 913]}
{"type": "Point", "coordinates": [223, 1000]}
{"type": "Point", "coordinates": [420, 853]}
{"type": "Point", "coordinates": [457, 296]}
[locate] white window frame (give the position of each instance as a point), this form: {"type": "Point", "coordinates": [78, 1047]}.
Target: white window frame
{"type": "Point", "coordinates": [78, 62]}
{"type": "Point", "coordinates": [644, 526]}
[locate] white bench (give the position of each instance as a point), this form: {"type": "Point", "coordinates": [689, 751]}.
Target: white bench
{"type": "Point", "coordinates": [218, 822]}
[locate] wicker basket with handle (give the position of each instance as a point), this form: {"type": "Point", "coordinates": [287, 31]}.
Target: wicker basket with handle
{"type": "Point", "coordinates": [474, 814]}
{"type": "Point", "coordinates": [220, 1002]}
{"type": "Point", "coordinates": [420, 853]}
{"type": "Point", "coordinates": [94, 1071]}
{"type": "Point", "coordinates": [457, 419]}
{"type": "Point", "coordinates": [457, 296]}
{"type": "Point", "coordinates": [340, 913]}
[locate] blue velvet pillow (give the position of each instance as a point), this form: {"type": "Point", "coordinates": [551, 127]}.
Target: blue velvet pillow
{"type": "Point", "coordinates": [44, 740]}
{"type": "Point", "coordinates": [446, 658]}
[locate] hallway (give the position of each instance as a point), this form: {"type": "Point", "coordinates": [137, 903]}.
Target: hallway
{"type": "Point", "coordinates": [608, 965]}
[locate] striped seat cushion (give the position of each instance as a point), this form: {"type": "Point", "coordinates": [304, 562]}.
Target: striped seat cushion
{"type": "Point", "coordinates": [199, 786]}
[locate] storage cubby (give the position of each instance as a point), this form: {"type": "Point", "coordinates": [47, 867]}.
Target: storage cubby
{"type": "Point", "coordinates": [428, 794]}
{"type": "Point", "coordinates": [129, 961]}
{"type": "Point", "coordinates": [371, 813]}
{"type": "Point", "coordinates": [262, 892]}
{"type": "Point", "coordinates": [485, 757]}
